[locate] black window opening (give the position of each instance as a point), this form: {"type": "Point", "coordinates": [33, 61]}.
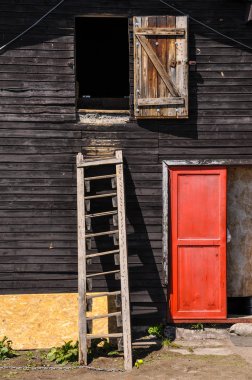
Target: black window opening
{"type": "Point", "coordinates": [102, 63]}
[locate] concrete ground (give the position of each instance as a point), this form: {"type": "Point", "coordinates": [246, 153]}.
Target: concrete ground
{"type": "Point", "coordinates": [206, 359]}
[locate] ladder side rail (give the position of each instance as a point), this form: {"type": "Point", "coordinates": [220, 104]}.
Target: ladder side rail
{"type": "Point", "coordinates": [81, 263]}
{"type": "Point", "coordinates": [126, 323]}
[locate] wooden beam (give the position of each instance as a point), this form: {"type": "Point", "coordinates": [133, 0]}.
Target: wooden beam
{"type": "Point", "coordinates": [96, 336]}
{"type": "Point", "coordinates": [112, 252]}
{"type": "Point", "coordinates": [160, 101]}
{"type": "Point", "coordinates": [182, 66]}
{"type": "Point", "coordinates": [101, 316]}
{"type": "Point", "coordinates": [159, 31]}
{"type": "Point", "coordinates": [103, 111]}
{"type": "Point", "coordinates": [97, 162]}
{"type": "Point", "coordinates": [158, 65]}
{"type": "Point", "coordinates": [127, 341]}
{"type": "Point", "coordinates": [81, 263]}
{"type": "Point", "coordinates": [104, 294]}
{"type": "Point", "coordinates": [103, 273]}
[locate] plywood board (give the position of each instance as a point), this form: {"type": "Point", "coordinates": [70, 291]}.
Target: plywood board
{"type": "Point", "coordinates": [34, 321]}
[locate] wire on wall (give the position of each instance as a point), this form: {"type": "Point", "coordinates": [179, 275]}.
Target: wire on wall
{"type": "Point", "coordinates": [206, 26]}
{"type": "Point", "coordinates": [32, 26]}
{"type": "Point", "coordinates": [161, 1]}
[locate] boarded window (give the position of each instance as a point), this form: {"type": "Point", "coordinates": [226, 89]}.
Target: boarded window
{"type": "Point", "coordinates": [161, 67]}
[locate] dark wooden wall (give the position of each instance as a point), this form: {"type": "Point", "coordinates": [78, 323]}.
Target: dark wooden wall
{"type": "Point", "coordinates": [40, 137]}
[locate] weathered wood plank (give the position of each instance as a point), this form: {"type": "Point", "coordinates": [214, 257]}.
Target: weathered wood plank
{"type": "Point", "coordinates": [81, 262]}
{"type": "Point", "coordinates": [158, 65]}
{"type": "Point", "coordinates": [161, 49]}
{"type": "Point", "coordinates": [170, 62]}
{"type": "Point", "coordinates": [152, 74]}
{"type": "Point", "coordinates": [123, 264]}
{"type": "Point", "coordinates": [160, 101]}
{"type": "Point", "coordinates": [159, 31]}
{"type": "Point", "coordinates": [182, 66]}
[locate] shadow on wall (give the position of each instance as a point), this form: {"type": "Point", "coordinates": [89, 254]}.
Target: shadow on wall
{"type": "Point", "coordinates": [148, 298]}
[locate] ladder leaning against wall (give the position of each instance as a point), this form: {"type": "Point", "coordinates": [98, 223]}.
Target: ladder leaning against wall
{"type": "Point", "coordinates": [85, 238]}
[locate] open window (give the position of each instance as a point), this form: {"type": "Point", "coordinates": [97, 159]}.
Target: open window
{"type": "Point", "coordinates": [160, 63]}
{"type": "Point", "coordinates": [102, 63]}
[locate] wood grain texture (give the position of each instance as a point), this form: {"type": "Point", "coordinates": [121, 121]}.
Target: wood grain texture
{"type": "Point", "coordinates": [81, 262]}
{"type": "Point", "coordinates": [160, 31]}
{"type": "Point", "coordinates": [124, 265]}
{"type": "Point", "coordinates": [156, 64]}
{"type": "Point", "coordinates": [37, 154]}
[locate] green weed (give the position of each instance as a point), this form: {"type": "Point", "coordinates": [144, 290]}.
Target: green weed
{"type": "Point", "coordinates": [169, 343]}
{"type": "Point", "coordinates": [197, 326]}
{"type": "Point", "coordinates": [6, 350]}
{"type": "Point", "coordinates": [156, 330]}
{"type": "Point", "coordinates": [64, 354]}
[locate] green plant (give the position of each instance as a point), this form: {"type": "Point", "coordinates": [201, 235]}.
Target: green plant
{"type": "Point", "coordinates": [68, 352]}
{"type": "Point", "coordinates": [168, 343]}
{"type": "Point", "coordinates": [157, 330]}
{"type": "Point", "coordinates": [197, 326]}
{"type": "Point", "coordinates": [113, 353]}
{"type": "Point", "coordinates": [30, 355]}
{"type": "Point", "coordinates": [190, 349]}
{"type": "Point", "coordinates": [6, 350]}
{"type": "Point", "coordinates": [43, 355]}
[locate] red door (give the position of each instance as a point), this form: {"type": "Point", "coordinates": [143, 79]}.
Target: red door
{"type": "Point", "coordinates": [198, 243]}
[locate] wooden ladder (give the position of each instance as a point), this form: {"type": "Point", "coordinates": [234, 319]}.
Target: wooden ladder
{"type": "Point", "coordinates": [84, 245]}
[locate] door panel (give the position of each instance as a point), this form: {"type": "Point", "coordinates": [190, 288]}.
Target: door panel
{"type": "Point", "coordinates": [198, 243]}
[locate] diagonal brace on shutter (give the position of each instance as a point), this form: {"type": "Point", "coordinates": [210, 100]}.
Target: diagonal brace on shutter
{"type": "Point", "coordinates": [158, 65]}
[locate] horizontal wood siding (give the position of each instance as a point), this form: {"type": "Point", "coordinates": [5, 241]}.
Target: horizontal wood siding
{"type": "Point", "coordinates": [40, 138]}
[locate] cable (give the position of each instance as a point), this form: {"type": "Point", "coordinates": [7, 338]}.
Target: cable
{"type": "Point", "coordinates": [206, 26]}
{"type": "Point", "coordinates": [161, 1]}
{"type": "Point", "coordinates": [32, 26]}
{"type": "Point", "coordinates": [62, 368]}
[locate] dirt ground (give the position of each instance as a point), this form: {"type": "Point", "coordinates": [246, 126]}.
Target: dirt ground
{"type": "Point", "coordinates": [183, 360]}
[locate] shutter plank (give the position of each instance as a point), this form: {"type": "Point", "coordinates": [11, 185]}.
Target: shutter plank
{"type": "Point", "coordinates": [182, 66]}
{"type": "Point", "coordinates": [171, 61]}
{"type": "Point", "coordinates": [160, 31]}
{"type": "Point", "coordinates": [160, 101]}
{"type": "Point", "coordinates": [137, 21]}
{"type": "Point", "coordinates": [152, 110]}
{"type": "Point", "coordinates": [162, 56]}
{"type": "Point", "coordinates": [145, 59]}
{"type": "Point", "coordinates": [158, 65]}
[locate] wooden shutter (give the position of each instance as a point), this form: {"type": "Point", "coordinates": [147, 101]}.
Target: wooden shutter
{"type": "Point", "coordinates": [160, 67]}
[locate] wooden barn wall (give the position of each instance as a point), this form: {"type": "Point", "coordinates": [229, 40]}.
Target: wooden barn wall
{"type": "Point", "coordinates": [40, 138]}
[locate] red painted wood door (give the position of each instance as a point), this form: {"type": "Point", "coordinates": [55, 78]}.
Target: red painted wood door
{"type": "Point", "coordinates": [198, 243]}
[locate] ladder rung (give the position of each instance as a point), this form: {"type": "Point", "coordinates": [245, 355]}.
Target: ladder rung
{"type": "Point", "coordinates": [106, 213]}
{"type": "Point", "coordinates": [102, 234]}
{"type": "Point", "coordinates": [100, 177]}
{"type": "Point", "coordinates": [146, 343]}
{"type": "Point", "coordinates": [102, 273]}
{"type": "Point", "coordinates": [107, 161]}
{"type": "Point", "coordinates": [102, 253]}
{"type": "Point", "coordinates": [96, 336]}
{"type": "Point", "coordinates": [104, 316]}
{"type": "Point", "coordinates": [101, 196]}
{"type": "Point", "coordinates": [117, 292]}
